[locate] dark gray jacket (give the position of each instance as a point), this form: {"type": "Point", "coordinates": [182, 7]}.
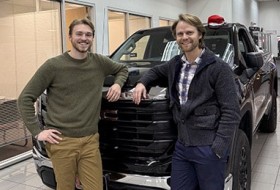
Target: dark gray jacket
{"type": "Point", "coordinates": [212, 113]}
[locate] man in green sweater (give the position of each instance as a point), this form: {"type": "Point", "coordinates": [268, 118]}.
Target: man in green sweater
{"type": "Point", "coordinates": [73, 82]}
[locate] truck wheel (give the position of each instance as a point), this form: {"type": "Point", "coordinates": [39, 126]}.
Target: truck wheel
{"type": "Point", "coordinates": [242, 163]}
{"type": "Point", "coordinates": [268, 123]}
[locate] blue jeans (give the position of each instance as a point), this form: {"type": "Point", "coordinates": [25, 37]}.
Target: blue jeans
{"type": "Point", "coordinates": [197, 168]}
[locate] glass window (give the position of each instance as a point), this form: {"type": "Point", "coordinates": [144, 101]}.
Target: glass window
{"type": "Point", "coordinates": [171, 22]}
{"type": "Point", "coordinates": [147, 47]}
{"type": "Point", "coordinates": [117, 33]}
{"type": "Point", "coordinates": [30, 34]}
{"type": "Point", "coordinates": [137, 50]}
{"type": "Point", "coordinates": [217, 40]}
{"type": "Point", "coordinates": [165, 22]}
{"type": "Point", "coordinates": [122, 25]}
{"type": "Point", "coordinates": [137, 23]}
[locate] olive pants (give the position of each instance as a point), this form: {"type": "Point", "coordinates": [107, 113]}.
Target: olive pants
{"type": "Point", "coordinates": [77, 157]}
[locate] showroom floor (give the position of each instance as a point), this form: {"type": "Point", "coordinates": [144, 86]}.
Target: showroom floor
{"type": "Point", "coordinates": [265, 167]}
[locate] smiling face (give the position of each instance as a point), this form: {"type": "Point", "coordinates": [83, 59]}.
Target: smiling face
{"type": "Point", "coordinates": [187, 37]}
{"type": "Point", "coordinates": [81, 38]}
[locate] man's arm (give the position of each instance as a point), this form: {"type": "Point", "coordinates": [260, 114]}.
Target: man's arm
{"type": "Point", "coordinates": [152, 77]}
{"type": "Point", "coordinates": [27, 98]}
{"type": "Point", "coordinates": [34, 88]}
{"type": "Point", "coordinates": [228, 100]}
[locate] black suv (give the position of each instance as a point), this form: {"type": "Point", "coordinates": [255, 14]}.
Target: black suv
{"type": "Point", "coordinates": [137, 141]}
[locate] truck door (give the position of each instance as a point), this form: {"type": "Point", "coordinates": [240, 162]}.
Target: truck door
{"type": "Point", "coordinates": [260, 81]}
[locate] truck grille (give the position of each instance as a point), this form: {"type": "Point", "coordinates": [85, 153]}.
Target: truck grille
{"type": "Point", "coordinates": [137, 139]}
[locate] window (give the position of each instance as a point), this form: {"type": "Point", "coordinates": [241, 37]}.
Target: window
{"type": "Point", "coordinates": [217, 41]}
{"type": "Point", "coordinates": [117, 32]}
{"type": "Point", "coordinates": [30, 33]}
{"type": "Point", "coordinates": [147, 47]}
{"type": "Point", "coordinates": [165, 22]}
{"type": "Point", "coordinates": [138, 50]}
{"type": "Point", "coordinates": [122, 25]}
{"type": "Point", "coordinates": [137, 22]}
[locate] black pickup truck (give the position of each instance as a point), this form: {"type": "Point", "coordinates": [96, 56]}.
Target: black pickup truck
{"type": "Point", "coordinates": [137, 141]}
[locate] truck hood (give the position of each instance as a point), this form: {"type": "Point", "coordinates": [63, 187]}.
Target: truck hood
{"type": "Point", "coordinates": [135, 72]}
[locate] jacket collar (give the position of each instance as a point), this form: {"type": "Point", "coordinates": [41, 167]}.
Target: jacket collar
{"type": "Point", "coordinates": [207, 58]}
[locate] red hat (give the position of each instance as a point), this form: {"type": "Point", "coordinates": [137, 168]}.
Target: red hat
{"type": "Point", "coordinates": [216, 20]}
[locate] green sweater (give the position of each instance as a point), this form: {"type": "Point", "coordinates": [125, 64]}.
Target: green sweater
{"type": "Point", "coordinates": [74, 90]}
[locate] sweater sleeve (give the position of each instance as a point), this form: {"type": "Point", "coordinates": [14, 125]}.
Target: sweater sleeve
{"type": "Point", "coordinates": [155, 75]}
{"type": "Point", "coordinates": [26, 100]}
{"type": "Point", "coordinates": [120, 71]}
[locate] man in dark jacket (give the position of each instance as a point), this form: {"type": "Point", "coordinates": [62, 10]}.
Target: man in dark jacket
{"type": "Point", "coordinates": [205, 108]}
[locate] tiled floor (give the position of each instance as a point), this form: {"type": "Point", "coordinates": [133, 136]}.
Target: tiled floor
{"type": "Point", "coordinates": [265, 166]}
{"type": "Point", "coordinates": [21, 176]}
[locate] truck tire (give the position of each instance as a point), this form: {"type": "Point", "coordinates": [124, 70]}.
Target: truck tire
{"type": "Point", "coordinates": [242, 163]}
{"type": "Point", "coordinates": [268, 123]}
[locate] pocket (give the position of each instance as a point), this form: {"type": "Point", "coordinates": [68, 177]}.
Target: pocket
{"type": "Point", "coordinates": [205, 122]}
{"type": "Point", "coordinates": [206, 152]}
{"type": "Point", "coordinates": [206, 117]}
{"type": "Point", "coordinates": [206, 110]}
{"type": "Point", "coordinates": [48, 149]}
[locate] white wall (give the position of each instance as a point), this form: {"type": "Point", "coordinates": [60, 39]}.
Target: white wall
{"type": "Point", "coordinates": [269, 15]}
{"type": "Point", "coordinates": [245, 12]}
{"type": "Point", "coordinates": [155, 9]}
{"type": "Point", "coordinates": [265, 14]}
{"type": "Point", "coordinates": [204, 8]}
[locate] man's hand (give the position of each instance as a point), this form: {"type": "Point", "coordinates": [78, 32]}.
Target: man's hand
{"type": "Point", "coordinates": [49, 135]}
{"type": "Point", "coordinates": [114, 93]}
{"type": "Point", "coordinates": [139, 92]}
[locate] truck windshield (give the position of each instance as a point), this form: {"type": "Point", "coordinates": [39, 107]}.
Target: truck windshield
{"type": "Point", "coordinates": [145, 46]}
{"type": "Point", "coordinates": [148, 48]}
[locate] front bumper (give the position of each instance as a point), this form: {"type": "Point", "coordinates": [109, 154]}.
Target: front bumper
{"type": "Point", "coordinates": [112, 181]}
{"type": "Point", "coordinates": [121, 181]}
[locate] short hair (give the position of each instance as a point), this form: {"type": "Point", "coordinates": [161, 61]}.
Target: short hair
{"type": "Point", "coordinates": [81, 21]}
{"type": "Point", "coordinates": [194, 21]}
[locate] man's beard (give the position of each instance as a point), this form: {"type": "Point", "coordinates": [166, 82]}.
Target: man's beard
{"type": "Point", "coordinates": [80, 50]}
{"type": "Point", "coordinates": [192, 46]}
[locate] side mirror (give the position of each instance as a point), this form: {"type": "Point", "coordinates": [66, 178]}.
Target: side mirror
{"type": "Point", "coordinates": [254, 59]}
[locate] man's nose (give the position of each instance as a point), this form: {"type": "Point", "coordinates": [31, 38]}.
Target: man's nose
{"type": "Point", "coordinates": [185, 35]}
{"type": "Point", "coordinates": [84, 36]}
